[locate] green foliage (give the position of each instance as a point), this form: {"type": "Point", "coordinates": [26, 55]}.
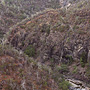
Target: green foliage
{"type": "Point", "coordinates": [10, 13]}
{"type": "Point", "coordinates": [68, 39]}
{"type": "Point", "coordinates": [70, 59]}
{"type": "Point", "coordinates": [30, 26]}
{"type": "Point", "coordinates": [21, 17]}
{"type": "Point", "coordinates": [23, 43]}
{"type": "Point", "coordinates": [75, 27]}
{"type": "Point", "coordinates": [9, 21]}
{"type": "Point", "coordinates": [22, 26]}
{"type": "Point", "coordinates": [46, 28]}
{"type": "Point", "coordinates": [63, 68]}
{"type": "Point", "coordinates": [45, 83]}
{"type": "Point", "coordinates": [75, 70]}
{"type": "Point", "coordinates": [64, 27]}
{"type": "Point", "coordinates": [3, 2]}
{"type": "Point", "coordinates": [8, 87]}
{"type": "Point", "coordinates": [88, 71]}
{"type": "Point", "coordinates": [83, 59]}
{"type": "Point", "coordinates": [30, 51]}
{"type": "Point", "coordinates": [1, 34]}
{"type": "Point", "coordinates": [64, 85]}
{"type": "Point", "coordinates": [1, 50]}
{"type": "Point", "coordinates": [81, 32]}
{"type": "Point", "coordinates": [9, 0]}
{"type": "Point", "coordinates": [79, 20]}
{"type": "Point", "coordinates": [82, 63]}
{"type": "Point", "coordinates": [52, 59]}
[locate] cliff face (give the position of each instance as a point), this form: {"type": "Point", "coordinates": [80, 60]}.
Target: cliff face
{"type": "Point", "coordinates": [57, 37]}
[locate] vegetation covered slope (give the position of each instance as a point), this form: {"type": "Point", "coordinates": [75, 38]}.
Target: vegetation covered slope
{"type": "Point", "coordinates": [14, 11]}
{"type": "Point", "coordinates": [52, 45]}
{"type": "Point", "coordinates": [18, 72]}
{"type": "Point", "coordinates": [58, 37]}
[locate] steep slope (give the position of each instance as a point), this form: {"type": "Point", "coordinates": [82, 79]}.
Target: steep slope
{"type": "Point", "coordinates": [58, 37]}
{"type": "Point", "coordinates": [14, 11]}
{"type": "Point", "coordinates": [18, 72]}
{"type": "Point", "coordinates": [47, 47]}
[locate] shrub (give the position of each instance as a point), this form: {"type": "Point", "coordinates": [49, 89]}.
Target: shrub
{"type": "Point", "coordinates": [8, 87]}
{"type": "Point", "coordinates": [1, 50]}
{"type": "Point", "coordinates": [83, 59]}
{"type": "Point", "coordinates": [74, 69]}
{"type": "Point", "coordinates": [21, 16]}
{"type": "Point", "coordinates": [63, 68]}
{"type": "Point", "coordinates": [75, 27]}
{"type": "Point", "coordinates": [70, 58]}
{"type": "Point", "coordinates": [88, 71]}
{"type": "Point", "coordinates": [81, 32]}
{"type": "Point", "coordinates": [45, 83]}
{"type": "Point", "coordinates": [30, 51]}
{"type": "Point", "coordinates": [23, 26]}
{"type": "Point", "coordinates": [23, 43]}
{"type": "Point", "coordinates": [1, 34]}
{"type": "Point", "coordinates": [64, 85]}
{"type": "Point", "coordinates": [46, 28]}
{"type": "Point", "coordinates": [9, 21]}
{"type": "Point", "coordinates": [64, 27]}
{"type": "Point", "coordinates": [82, 63]}
{"type": "Point", "coordinates": [52, 59]}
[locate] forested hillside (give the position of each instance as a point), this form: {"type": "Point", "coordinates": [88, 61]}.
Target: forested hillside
{"type": "Point", "coordinates": [49, 50]}
{"type": "Point", "coordinates": [13, 11]}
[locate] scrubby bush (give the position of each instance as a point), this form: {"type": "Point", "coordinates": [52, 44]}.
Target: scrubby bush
{"type": "Point", "coordinates": [46, 28]}
{"type": "Point", "coordinates": [63, 68]}
{"type": "Point", "coordinates": [22, 26]}
{"type": "Point", "coordinates": [64, 27]}
{"type": "Point", "coordinates": [64, 85]}
{"type": "Point", "coordinates": [88, 71]}
{"type": "Point", "coordinates": [21, 17]}
{"type": "Point", "coordinates": [52, 59]}
{"type": "Point", "coordinates": [75, 27]}
{"type": "Point", "coordinates": [74, 69]}
{"type": "Point", "coordinates": [82, 63]}
{"type": "Point", "coordinates": [1, 34]}
{"type": "Point", "coordinates": [70, 58]}
{"type": "Point", "coordinates": [1, 50]}
{"type": "Point", "coordinates": [8, 87]}
{"type": "Point", "coordinates": [30, 51]}
{"type": "Point", "coordinates": [83, 59]}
